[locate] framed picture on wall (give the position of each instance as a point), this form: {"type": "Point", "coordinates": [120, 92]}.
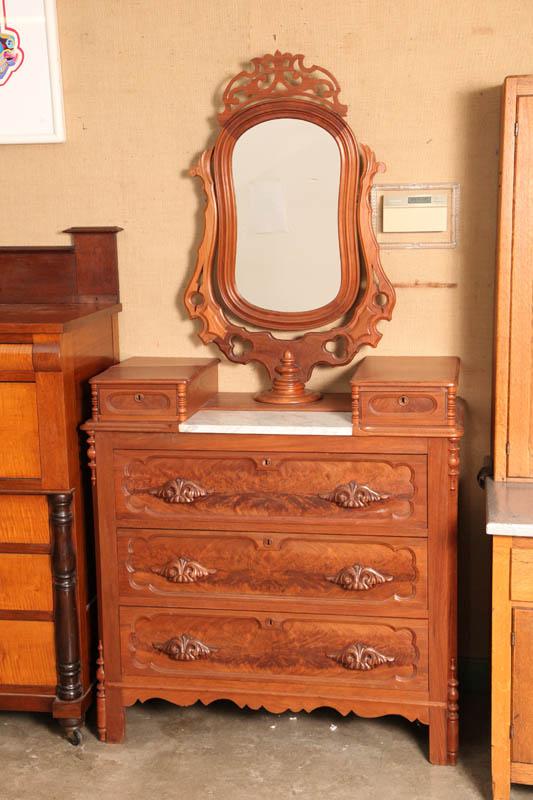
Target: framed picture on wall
{"type": "Point", "coordinates": [31, 96]}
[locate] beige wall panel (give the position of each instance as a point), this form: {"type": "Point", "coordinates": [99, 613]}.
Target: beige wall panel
{"type": "Point", "coordinates": [421, 78]}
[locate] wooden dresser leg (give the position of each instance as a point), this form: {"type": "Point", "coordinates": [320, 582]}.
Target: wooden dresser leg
{"type": "Point", "coordinates": [115, 716]}
{"type": "Point", "coordinates": [501, 787]}
{"type": "Point", "coordinates": [69, 688]}
{"type": "Point", "coordinates": [110, 716]}
{"type": "Point", "coordinates": [101, 719]}
{"type": "Point", "coordinates": [438, 736]}
{"type": "Point", "coordinates": [453, 714]}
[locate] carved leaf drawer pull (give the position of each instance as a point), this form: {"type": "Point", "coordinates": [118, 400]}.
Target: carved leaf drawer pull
{"type": "Point", "coordinates": [184, 648]}
{"type": "Point", "coordinates": [357, 578]}
{"type": "Point", "coordinates": [183, 570]}
{"type": "Point", "coordinates": [177, 490]}
{"type": "Point", "coordinates": [359, 656]}
{"type": "Point", "coordinates": [354, 495]}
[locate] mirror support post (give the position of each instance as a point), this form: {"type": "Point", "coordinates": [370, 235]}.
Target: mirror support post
{"type": "Point", "coordinates": [287, 389]}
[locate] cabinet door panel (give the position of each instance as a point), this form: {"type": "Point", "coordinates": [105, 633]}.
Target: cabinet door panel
{"type": "Point", "coordinates": [522, 700]}
{"type": "Point", "coordinates": [520, 462]}
{"type": "Point", "coordinates": [20, 455]}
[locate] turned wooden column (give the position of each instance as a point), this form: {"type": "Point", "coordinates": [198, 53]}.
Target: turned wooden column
{"type": "Point", "coordinates": [64, 580]}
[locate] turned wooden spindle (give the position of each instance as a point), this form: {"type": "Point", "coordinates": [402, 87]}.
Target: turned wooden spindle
{"type": "Point", "coordinates": [288, 387]}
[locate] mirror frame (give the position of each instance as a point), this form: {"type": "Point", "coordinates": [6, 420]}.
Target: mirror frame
{"type": "Point", "coordinates": [278, 86]}
{"type": "Point", "coordinates": [222, 164]}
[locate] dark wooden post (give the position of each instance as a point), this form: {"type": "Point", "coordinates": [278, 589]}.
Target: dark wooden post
{"type": "Point", "coordinates": [69, 686]}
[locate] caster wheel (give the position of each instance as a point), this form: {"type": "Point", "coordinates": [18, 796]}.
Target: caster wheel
{"type": "Point", "coordinates": [74, 736]}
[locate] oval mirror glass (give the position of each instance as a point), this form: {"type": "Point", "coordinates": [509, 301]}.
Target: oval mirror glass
{"type": "Point", "coordinates": [286, 175]}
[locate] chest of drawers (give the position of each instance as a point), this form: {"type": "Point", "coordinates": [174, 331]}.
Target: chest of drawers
{"type": "Point", "coordinates": [308, 563]}
{"type": "Point", "coordinates": [58, 313]}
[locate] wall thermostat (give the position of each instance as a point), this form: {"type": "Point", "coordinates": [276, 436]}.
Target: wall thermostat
{"type": "Point", "coordinates": [415, 213]}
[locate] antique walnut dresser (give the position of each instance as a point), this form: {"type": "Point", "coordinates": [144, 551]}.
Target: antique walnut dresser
{"type": "Point", "coordinates": [58, 310]}
{"type": "Point", "coordinates": [292, 550]}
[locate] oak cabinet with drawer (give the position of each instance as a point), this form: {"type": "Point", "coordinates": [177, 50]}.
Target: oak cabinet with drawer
{"type": "Point", "coordinates": [58, 314]}
{"type": "Point", "coordinates": [283, 570]}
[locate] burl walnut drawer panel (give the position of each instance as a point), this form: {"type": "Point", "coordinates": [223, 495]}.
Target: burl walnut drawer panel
{"type": "Point", "coordinates": [25, 582]}
{"type": "Point", "coordinates": [19, 431]}
{"type": "Point", "coordinates": [419, 407]}
{"type": "Point", "coordinates": [27, 653]}
{"type": "Point", "coordinates": [388, 576]}
{"type": "Point", "coordinates": [153, 401]}
{"type": "Point", "coordinates": [24, 519]}
{"type": "Point", "coordinates": [389, 653]}
{"type": "Point", "coordinates": [344, 489]}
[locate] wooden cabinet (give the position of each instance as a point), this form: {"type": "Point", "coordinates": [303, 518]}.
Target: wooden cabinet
{"type": "Point", "coordinates": [510, 497]}
{"type": "Point", "coordinates": [279, 569]}
{"type": "Point", "coordinates": [58, 309]}
{"type": "Point", "coordinates": [513, 376]}
{"type": "Point", "coordinates": [512, 646]}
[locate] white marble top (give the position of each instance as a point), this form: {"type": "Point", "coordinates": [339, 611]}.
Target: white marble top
{"type": "Point", "coordinates": [288, 423]}
{"type": "Point", "coordinates": [509, 508]}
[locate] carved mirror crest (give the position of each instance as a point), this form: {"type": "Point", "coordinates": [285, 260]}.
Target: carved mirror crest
{"type": "Point", "coordinates": [288, 243]}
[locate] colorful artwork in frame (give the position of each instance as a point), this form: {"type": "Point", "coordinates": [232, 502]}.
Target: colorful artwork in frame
{"type": "Point", "coordinates": [11, 53]}
{"type": "Point", "coordinates": [31, 97]}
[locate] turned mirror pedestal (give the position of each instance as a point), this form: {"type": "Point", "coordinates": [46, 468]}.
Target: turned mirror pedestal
{"type": "Point", "coordinates": [299, 551]}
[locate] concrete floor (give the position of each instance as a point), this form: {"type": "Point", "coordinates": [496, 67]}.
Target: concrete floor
{"type": "Point", "coordinates": [222, 752]}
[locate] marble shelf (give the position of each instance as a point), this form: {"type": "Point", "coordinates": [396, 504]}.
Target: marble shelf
{"type": "Point", "coordinates": [288, 423]}
{"type": "Point", "coordinates": [509, 508]}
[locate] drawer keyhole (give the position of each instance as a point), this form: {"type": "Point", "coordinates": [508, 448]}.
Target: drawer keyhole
{"type": "Point", "coordinates": [267, 462]}
{"type": "Point", "coordinates": [403, 400]}
{"type": "Point", "coordinates": [268, 542]}
{"type": "Point", "coordinates": [269, 622]}
{"type": "Point", "coordinates": [139, 397]}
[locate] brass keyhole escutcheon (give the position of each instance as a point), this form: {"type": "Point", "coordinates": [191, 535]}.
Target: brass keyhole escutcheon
{"type": "Point", "coordinates": [268, 542]}
{"type": "Point", "coordinates": [267, 462]}
{"type": "Point", "coordinates": [403, 400]}
{"type": "Point", "coordinates": [139, 397]}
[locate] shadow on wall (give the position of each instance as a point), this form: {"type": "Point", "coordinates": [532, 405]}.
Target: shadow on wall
{"type": "Point", "coordinates": [478, 227]}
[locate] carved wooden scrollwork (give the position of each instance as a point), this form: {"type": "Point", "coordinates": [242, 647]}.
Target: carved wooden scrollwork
{"type": "Point", "coordinates": [354, 495]}
{"type": "Point", "coordinates": [281, 74]}
{"type": "Point", "coordinates": [358, 578]}
{"type": "Point", "coordinates": [184, 648]}
{"type": "Point", "coordinates": [176, 490]}
{"type": "Point", "coordinates": [359, 656]}
{"type": "Point", "coordinates": [278, 87]}
{"type": "Point", "coordinates": [183, 570]}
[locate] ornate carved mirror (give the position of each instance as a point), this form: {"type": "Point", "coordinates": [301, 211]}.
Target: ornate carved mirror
{"type": "Point", "coordinates": [288, 243]}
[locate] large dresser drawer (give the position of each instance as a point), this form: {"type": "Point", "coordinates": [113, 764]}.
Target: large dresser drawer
{"type": "Point", "coordinates": [24, 519]}
{"type": "Point", "coordinates": [385, 576]}
{"type": "Point", "coordinates": [25, 582]}
{"type": "Point", "coordinates": [346, 490]}
{"type": "Point", "coordinates": [305, 648]}
{"type": "Point", "coordinates": [20, 454]}
{"type": "Point", "coordinates": [27, 653]}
